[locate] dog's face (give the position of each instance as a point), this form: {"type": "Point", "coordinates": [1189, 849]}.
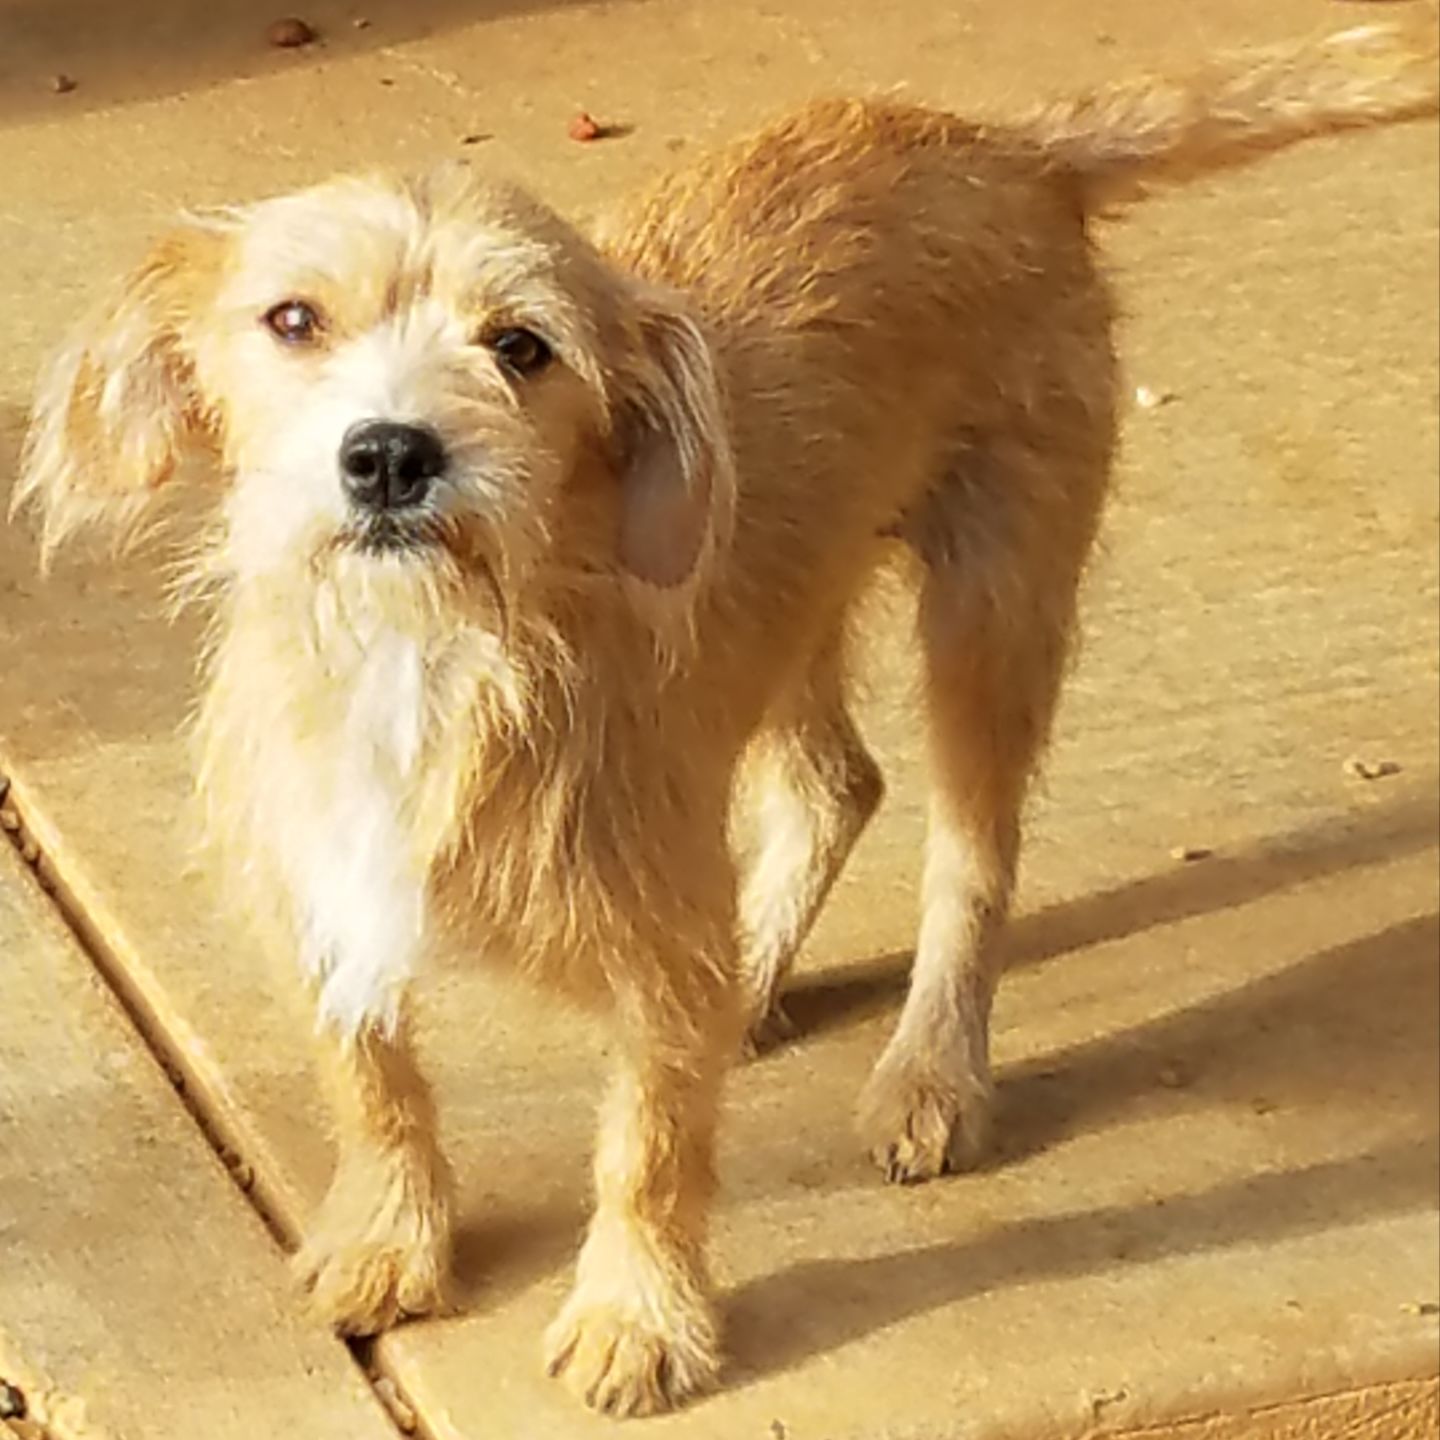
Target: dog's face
{"type": "Point", "coordinates": [435, 376]}
{"type": "Point", "coordinates": [394, 375]}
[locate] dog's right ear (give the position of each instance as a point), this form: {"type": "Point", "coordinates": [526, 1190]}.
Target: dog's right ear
{"type": "Point", "coordinates": [118, 400]}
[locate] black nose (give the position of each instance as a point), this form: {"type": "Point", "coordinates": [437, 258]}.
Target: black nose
{"type": "Point", "coordinates": [385, 466]}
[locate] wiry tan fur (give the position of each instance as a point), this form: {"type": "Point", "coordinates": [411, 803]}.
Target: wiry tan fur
{"type": "Point", "coordinates": [380, 1247]}
{"type": "Point", "coordinates": [870, 332]}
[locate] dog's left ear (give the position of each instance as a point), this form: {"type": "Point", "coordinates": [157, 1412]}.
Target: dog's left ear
{"type": "Point", "coordinates": [119, 398]}
{"type": "Point", "coordinates": [677, 474]}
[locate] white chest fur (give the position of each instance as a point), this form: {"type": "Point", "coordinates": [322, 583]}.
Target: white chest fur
{"type": "Point", "coordinates": [358, 887]}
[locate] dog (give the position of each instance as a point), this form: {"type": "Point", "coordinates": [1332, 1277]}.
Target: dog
{"type": "Point", "coordinates": [527, 540]}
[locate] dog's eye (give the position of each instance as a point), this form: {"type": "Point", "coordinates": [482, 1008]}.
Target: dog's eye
{"type": "Point", "coordinates": [522, 351]}
{"type": "Point", "coordinates": [294, 321]}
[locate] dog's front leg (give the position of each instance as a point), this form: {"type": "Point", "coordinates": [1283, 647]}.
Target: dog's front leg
{"type": "Point", "coordinates": [639, 1332]}
{"type": "Point", "coordinates": [380, 1247]}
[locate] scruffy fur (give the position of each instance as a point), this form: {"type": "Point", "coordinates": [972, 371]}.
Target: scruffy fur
{"type": "Point", "coordinates": [872, 333]}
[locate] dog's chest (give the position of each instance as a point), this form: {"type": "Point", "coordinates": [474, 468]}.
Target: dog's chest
{"type": "Point", "coordinates": [383, 704]}
{"type": "Point", "coordinates": [358, 882]}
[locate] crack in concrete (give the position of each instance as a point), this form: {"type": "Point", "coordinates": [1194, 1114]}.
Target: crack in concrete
{"type": "Point", "coordinates": [188, 1088]}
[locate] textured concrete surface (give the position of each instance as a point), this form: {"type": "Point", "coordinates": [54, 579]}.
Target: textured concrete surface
{"type": "Point", "coordinates": [1218, 1188]}
{"type": "Point", "coordinates": [1408, 1410]}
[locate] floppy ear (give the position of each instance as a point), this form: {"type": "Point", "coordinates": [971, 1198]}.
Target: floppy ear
{"type": "Point", "coordinates": [116, 402]}
{"type": "Point", "coordinates": [677, 474]}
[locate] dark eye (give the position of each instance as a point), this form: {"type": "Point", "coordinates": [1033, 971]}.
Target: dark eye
{"type": "Point", "coordinates": [294, 321]}
{"type": "Point", "coordinates": [522, 351]}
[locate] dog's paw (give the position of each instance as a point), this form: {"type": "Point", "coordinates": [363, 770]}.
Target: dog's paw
{"type": "Point", "coordinates": [364, 1288]}
{"type": "Point", "coordinates": [770, 1031]}
{"type": "Point", "coordinates": [919, 1126]}
{"type": "Point", "coordinates": [622, 1365]}
{"type": "Point", "coordinates": [375, 1256]}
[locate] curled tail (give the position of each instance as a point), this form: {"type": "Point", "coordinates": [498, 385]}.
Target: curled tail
{"type": "Point", "coordinates": [1124, 137]}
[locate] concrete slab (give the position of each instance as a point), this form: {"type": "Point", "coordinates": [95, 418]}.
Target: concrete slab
{"type": "Point", "coordinates": [1409, 1410]}
{"type": "Point", "coordinates": [140, 1295]}
{"type": "Point", "coordinates": [1219, 1079]}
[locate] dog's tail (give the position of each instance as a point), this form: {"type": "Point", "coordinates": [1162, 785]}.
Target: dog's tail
{"type": "Point", "coordinates": [1124, 138]}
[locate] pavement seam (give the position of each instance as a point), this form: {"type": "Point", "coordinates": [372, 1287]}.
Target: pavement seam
{"type": "Point", "coordinates": [188, 1090]}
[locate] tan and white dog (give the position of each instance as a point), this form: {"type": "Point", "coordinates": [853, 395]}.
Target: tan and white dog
{"type": "Point", "coordinates": [528, 538]}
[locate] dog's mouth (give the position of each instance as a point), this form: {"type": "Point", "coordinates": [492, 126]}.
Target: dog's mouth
{"type": "Point", "coordinates": [422, 537]}
{"type": "Point", "coordinates": [389, 534]}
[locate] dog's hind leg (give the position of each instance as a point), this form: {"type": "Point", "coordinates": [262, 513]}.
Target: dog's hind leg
{"type": "Point", "coordinates": [818, 788]}
{"type": "Point", "coordinates": [379, 1249]}
{"type": "Point", "coordinates": [996, 611]}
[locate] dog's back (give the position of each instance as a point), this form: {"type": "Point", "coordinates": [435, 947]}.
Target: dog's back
{"type": "Point", "coordinates": [891, 287]}
{"type": "Point", "coordinates": [918, 345]}
{"type": "Point", "coordinates": [886, 288]}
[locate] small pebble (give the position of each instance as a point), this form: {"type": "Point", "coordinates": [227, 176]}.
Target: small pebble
{"type": "Point", "coordinates": [1421, 1307]}
{"type": "Point", "coordinates": [1261, 1106]}
{"type": "Point", "coordinates": [400, 1411]}
{"type": "Point", "coordinates": [1102, 1400]}
{"type": "Point", "coordinates": [360, 23]}
{"type": "Point", "coordinates": [244, 1177]}
{"type": "Point", "coordinates": [9, 820]}
{"type": "Point", "coordinates": [1363, 769]}
{"type": "Point", "coordinates": [1148, 399]}
{"type": "Point", "coordinates": [12, 1401]}
{"type": "Point", "coordinates": [1191, 852]}
{"type": "Point", "coordinates": [474, 139]}
{"type": "Point", "coordinates": [778, 1430]}
{"type": "Point", "coordinates": [63, 84]}
{"type": "Point", "coordinates": [29, 851]}
{"type": "Point", "coordinates": [584, 128]}
{"type": "Point", "coordinates": [289, 33]}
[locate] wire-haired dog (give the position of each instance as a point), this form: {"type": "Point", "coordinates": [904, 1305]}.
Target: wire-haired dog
{"type": "Point", "coordinates": [527, 539]}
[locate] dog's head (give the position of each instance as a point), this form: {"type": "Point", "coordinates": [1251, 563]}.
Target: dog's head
{"type": "Point", "coordinates": [436, 377]}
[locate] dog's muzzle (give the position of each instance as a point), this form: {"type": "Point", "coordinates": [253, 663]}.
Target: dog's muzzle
{"type": "Point", "coordinates": [386, 466]}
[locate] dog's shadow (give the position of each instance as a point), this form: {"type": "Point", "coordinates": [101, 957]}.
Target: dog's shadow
{"type": "Point", "coordinates": [500, 1253]}
{"type": "Point", "coordinates": [1373, 1002]}
{"type": "Point", "coordinates": [1047, 1099]}
{"type": "Point", "coordinates": [1222, 882]}
{"type": "Point", "coordinates": [1382, 986]}
{"type": "Point", "coordinates": [815, 1308]}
